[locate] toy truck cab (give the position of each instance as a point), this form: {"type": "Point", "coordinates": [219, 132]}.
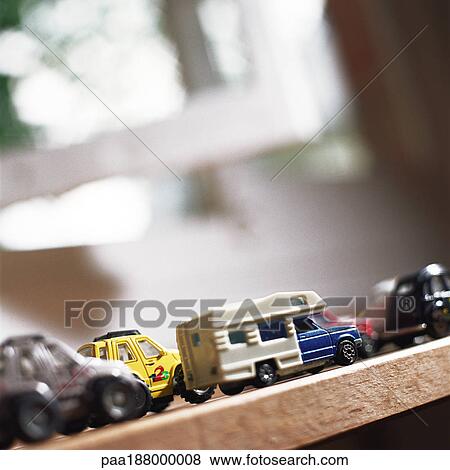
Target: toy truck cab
{"type": "Point", "coordinates": [159, 368]}
{"type": "Point", "coordinates": [258, 341]}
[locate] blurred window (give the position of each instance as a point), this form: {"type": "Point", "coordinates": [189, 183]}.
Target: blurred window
{"type": "Point", "coordinates": [446, 280]}
{"type": "Point", "coordinates": [147, 348]}
{"type": "Point", "coordinates": [60, 357]}
{"type": "Point", "coordinates": [28, 364]}
{"type": "Point", "coordinates": [102, 352]}
{"type": "Point", "coordinates": [437, 284]}
{"type": "Point", "coordinates": [125, 353]}
{"type": "Point", "coordinates": [406, 288]}
{"type": "Point", "coordinates": [301, 324]}
{"type": "Point", "coordinates": [87, 351]}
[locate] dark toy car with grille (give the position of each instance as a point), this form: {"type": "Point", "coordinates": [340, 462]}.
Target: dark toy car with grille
{"type": "Point", "coordinates": [413, 305]}
{"type": "Point", "coordinates": [45, 387]}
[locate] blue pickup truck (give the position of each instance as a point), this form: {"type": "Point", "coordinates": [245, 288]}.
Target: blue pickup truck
{"type": "Point", "coordinates": [318, 343]}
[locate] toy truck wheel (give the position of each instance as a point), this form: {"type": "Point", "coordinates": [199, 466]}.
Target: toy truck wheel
{"type": "Point", "coordinates": [143, 399]}
{"type": "Point", "coordinates": [369, 346]}
{"type": "Point", "coordinates": [347, 353]}
{"type": "Point", "coordinates": [160, 404]}
{"type": "Point", "coordinates": [195, 395]}
{"type": "Point", "coordinates": [438, 325]}
{"type": "Point", "coordinates": [233, 388]}
{"type": "Point", "coordinates": [35, 418]}
{"type": "Point", "coordinates": [114, 400]}
{"type": "Point", "coordinates": [265, 374]}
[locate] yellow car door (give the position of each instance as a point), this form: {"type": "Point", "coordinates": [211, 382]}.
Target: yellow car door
{"type": "Point", "coordinates": [156, 362]}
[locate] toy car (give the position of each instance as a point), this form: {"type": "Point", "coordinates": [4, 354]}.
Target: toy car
{"type": "Point", "coordinates": [422, 297]}
{"type": "Point", "coordinates": [46, 387]}
{"type": "Point", "coordinates": [160, 369]}
{"type": "Point", "coordinates": [275, 336]}
{"type": "Point", "coordinates": [411, 306]}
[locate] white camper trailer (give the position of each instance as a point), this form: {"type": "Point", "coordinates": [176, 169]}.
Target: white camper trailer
{"type": "Point", "coordinates": [224, 345]}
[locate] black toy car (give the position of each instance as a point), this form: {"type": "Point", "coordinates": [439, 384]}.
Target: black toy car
{"type": "Point", "coordinates": [409, 306]}
{"type": "Point", "coordinates": [422, 298]}
{"type": "Point", "coordinates": [46, 387]}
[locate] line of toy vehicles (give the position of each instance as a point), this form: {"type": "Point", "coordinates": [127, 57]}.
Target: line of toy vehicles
{"type": "Point", "coordinates": [45, 387]}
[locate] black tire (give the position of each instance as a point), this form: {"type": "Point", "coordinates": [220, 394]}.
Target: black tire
{"type": "Point", "coordinates": [6, 438]}
{"type": "Point", "coordinates": [316, 370]}
{"type": "Point", "coordinates": [74, 427]}
{"type": "Point", "coordinates": [194, 396]}
{"type": "Point", "coordinates": [96, 421]}
{"type": "Point", "coordinates": [160, 404]}
{"type": "Point", "coordinates": [114, 401]}
{"type": "Point", "coordinates": [347, 353]}
{"type": "Point", "coordinates": [35, 418]}
{"type": "Point", "coordinates": [404, 341]}
{"type": "Point", "coordinates": [143, 399]}
{"type": "Point", "coordinates": [438, 325]}
{"type": "Point", "coordinates": [233, 388]}
{"type": "Point", "coordinates": [369, 346]}
{"type": "Point", "coordinates": [266, 375]}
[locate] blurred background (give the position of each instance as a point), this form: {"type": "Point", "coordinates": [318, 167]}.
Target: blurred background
{"type": "Point", "coordinates": [159, 149]}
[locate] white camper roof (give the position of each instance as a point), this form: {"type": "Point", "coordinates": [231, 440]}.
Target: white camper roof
{"type": "Point", "coordinates": [279, 305]}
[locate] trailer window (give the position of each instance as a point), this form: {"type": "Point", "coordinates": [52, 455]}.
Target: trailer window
{"type": "Point", "coordinates": [297, 301]}
{"type": "Point", "coordinates": [237, 337]}
{"type": "Point", "coordinates": [195, 339]}
{"type": "Point", "coordinates": [272, 330]}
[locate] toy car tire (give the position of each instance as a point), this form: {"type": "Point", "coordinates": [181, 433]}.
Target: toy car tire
{"type": "Point", "coordinates": [6, 439]}
{"type": "Point", "coordinates": [143, 399]}
{"type": "Point", "coordinates": [194, 396]}
{"type": "Point", "coordinates": [265, 375]}
{"type": "Point", "coordinates": [160, 404]}
{"type": "Point", "coordinates": [438, 325]}
{"type": "Point", "coordinates": [404, 341]}
{"type": "Point", "coordinates": [96, 421]}
{"type": "Point", "coordinates": [73, 427]}
{"type": "Point", "coordinates": [35, 418]}
{"type": "Point", "coordinates": [369, 346]}
{"type": "Point", "coordinates": [233, 388]}
{"type": "Point", "coordinates": [347, 353]}
{"type": "Point", "coordinates": [114, 400]}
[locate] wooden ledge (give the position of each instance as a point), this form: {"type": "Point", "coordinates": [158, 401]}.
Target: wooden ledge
{"type": "Point", "coordinates": [291, 414]}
